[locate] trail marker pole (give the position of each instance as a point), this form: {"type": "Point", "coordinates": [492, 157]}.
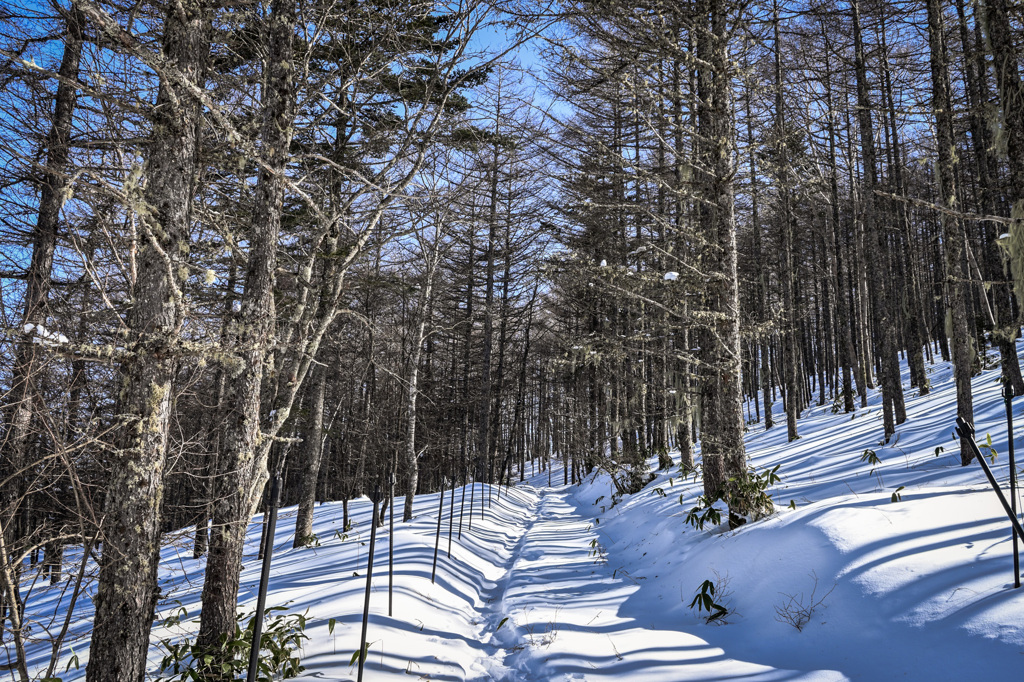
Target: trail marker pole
{"type": "Point", "coordinates": [437, 537]}
{"type": "Point", "coordinates": [451, 514]}
{"type": "Point", "coordinates": [462, 505]}
{"type": "Point", "coordinates": [369, 578]}
{"type": "Point", "coordinates": [261, 599]}
{"type": "Point", "coordinates": [966, 430]}
{"type": "Point", "coordinates": [1008, 398]}
{"type": "Point", "coordinates": [391, 545]}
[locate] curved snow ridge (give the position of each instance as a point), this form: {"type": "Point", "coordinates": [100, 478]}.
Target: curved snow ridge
{"type": "Point", "coordinates": [564, 603]}
{"type": "Point", "coordinates": [439, 631]}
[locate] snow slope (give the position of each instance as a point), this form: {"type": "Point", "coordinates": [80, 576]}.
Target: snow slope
{"type": "Point", "coordinates": [556, 584]}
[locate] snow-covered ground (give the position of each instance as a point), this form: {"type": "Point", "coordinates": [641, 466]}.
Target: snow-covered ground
{"type": "Point", "coordinates": [556, 584]}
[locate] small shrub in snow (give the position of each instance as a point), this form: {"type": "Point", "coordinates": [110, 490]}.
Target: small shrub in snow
{"type": "Point", "coordinates": [988, 449]}
{"type": "Point", "coordinates": [703, 513]}
{"type": "Point", "coordinates": [705, 601]}
{"type": "Point", "coordinates": [798, 610]}
{"type": "Point", "coordinates": [752, 494]}
{"type": "Point", "coordinates": [872, 458]}
{"type": "Point", "coordinates": [635, 477]}
{"type": "Point", "coordinates": [749, 496]}
{"type": "Point", "coordinates": [534, 636]}
{"type": "Point", "coordinates": [282, 638]}
{"type": "Point", "coordinates": [629, 475]}
{"type": "Point", "coordinates": [357, 654]}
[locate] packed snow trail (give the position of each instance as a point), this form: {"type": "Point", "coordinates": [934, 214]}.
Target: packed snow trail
{"type": "Point", "coordinates": [911, 557]}
{"type": "Point", "coordinates": [562, 601]}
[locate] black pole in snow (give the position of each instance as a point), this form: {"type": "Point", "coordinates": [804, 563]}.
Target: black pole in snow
{"type": "Point", "coordinates": [966, 430]}
{"type": "Point", "coordinates": [261, 600]}
{"type": "Point", "coordinates": [1008, 398]}
{"type": "Point", "coordinates": [451, 514]}
{"type": "Point", "coordinates": [437, 537]}
{"type": "Point", "coordinates": [369, 578]}
{"type": "Point", "coordinates": [391, 545]}
{"type": "Point", "coordinates": [462, 505]}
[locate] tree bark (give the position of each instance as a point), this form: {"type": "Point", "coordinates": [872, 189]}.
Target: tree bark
{"type": "Point", "coordinates": [243, 471]}
{"type": "Point", "coordinates": [1006, 328]}
{"type": "Point", "coordinates": [485, 434]}
{"type": "Point", "coordinates": [952, 231]}
{"type": "Point", "coordinates": [722, 411]}
{"type": "Point", "coordinates": [310, 456]}
{"type": "Point", "coordinates": [910, 291]}
{"type": "Point", "coordinates": [127, 595]}
{"type": "Point", "coordinates": [875, 246]}
{"type": "Point", "coordinates": [847, 354]}
{"type": "Point", "coordinates": [790, 335]}
{"type": "Point", "coordinates": [412, 393]}
{"type": "Point", "coordinates": [1000, 37]}
{"type": "Point", "coordinates": [14, 465]}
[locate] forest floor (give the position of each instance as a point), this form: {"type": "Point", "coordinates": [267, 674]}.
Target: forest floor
{"type": "Point", "coordinates": [555, 583]}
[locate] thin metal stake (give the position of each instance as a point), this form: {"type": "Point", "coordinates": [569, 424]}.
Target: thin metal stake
{"type": "Point", "coordinates": [437, 537]}
{"type": "Point", "coordinates": [451, 515]}
{"type": "Point", "coordinates": [462, 505]}
{"type": "Point", "coordinates": [966, 430]}
{"type": "Point", "coordinates": [391, 545]}
{"type": "Point", "coordinates": [261, 599]}
{"type": "Point", "coordinates": [1008, 398]}
{"type": "Point", "coordinates": [369, 577]}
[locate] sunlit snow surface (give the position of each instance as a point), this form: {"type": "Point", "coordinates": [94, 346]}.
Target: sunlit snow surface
{"type": "Point", "coordinates": [921, 587]}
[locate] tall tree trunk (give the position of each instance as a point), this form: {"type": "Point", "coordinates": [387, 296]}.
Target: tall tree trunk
{"type": "Point", "coordinates": [243, 471]}
{"type": "Point", "coordinates": [213, 420]}
{"type": "Point", "coordinates": [909, 312]}
{"type": "Point", "coordinates": [722, 411]}
{"type": "Point", "coordinates": [952, 231]}
{"type": "Point", "coordinates": [518, 419]}
{"type": "Point", "coordinates": [485, 434]}
{"type": "Point", "coordinates": [310, 456]}
{"type": "Point", "coordinates": [127, 594]}
{"type": "Point", "coordinates": [875, 243]}
{"type": "Point", "coordinates": [761, 286]}
{"type": "Point", "coordinates": [847, 354]}
{"type": "Point", "coordinates": [412, 393]}
{"type": "Point", "coordinates": [1006, 329]}
{"type": "Point", "coordinates": [1006, 65]}
{"type": "Point", "coordinates": [14, 464]}
{"type": "Point", "coordinates": [500, 378]}
{"type": "Point", "coordinates": [790, 337]}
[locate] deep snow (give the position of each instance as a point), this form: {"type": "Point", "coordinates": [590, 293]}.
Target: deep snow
{"type": "Point", "coordinates": [556, 584]}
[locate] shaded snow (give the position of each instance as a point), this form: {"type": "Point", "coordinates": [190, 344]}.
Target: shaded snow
{"type": "Point", "coordinates": [920, 588]}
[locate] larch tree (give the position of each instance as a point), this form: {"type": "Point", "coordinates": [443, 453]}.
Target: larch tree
{"type": "Point", "coordinates": [952, 229]}
{"type": "Point", "coordinates": [126, 598]}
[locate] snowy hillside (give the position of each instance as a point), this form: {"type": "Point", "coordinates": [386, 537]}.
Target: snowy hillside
{"type": "Point", "coordinates": [554, 584]}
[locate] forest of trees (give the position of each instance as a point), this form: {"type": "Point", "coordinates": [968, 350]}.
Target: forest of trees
{"type": "Point", "coordinates": [336, 240]}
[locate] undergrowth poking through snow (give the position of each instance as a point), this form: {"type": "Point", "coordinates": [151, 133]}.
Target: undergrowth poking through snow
{"type": "Point", "coordinates": [893, 564]}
